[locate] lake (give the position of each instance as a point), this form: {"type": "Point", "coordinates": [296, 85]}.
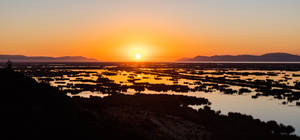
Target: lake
{"type": "Point", "coordinates": [266, 94]}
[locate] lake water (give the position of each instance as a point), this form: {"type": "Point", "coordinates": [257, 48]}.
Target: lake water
{"type": "Point", "coordinates": [281, 107]}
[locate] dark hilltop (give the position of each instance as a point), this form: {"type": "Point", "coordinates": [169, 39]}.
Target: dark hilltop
{"type": "Point", "coordinates": [270, 57]}
{"type": "Point", "coordinates": [22, 58]}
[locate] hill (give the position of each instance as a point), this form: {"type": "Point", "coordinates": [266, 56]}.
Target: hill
{"type": "Point", "coordinates": [272, 57]}
{"type": "Point", "coordinates": [22, 58]}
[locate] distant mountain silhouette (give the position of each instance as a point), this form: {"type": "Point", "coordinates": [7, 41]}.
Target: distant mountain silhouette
{"type": "Point", "coordinates": [22, 58]}
{"type": "Point", "coordinates": [266, 57]}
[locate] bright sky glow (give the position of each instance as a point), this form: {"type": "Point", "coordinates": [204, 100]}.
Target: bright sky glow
{"type": "Point", "coordinates": [160, 30]}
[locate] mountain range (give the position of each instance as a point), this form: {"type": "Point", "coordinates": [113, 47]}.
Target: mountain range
{"type": "Point", "coordinates": [22, 58]}
{"type": "Point", "coordinates": [275, 57]}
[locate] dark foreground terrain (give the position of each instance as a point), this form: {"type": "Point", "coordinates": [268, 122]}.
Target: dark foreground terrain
{"type": "Point", "coordinates": [38, 111]}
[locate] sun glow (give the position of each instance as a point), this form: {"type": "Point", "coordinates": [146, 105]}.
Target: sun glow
{"type": "Point", "coordinates": [137, 52]}
{"type": "Point", "coordinates": [138, 56]}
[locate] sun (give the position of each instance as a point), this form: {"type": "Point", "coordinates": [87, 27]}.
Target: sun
{"type": "Point", "coordinates": [137, 52]}
{"type": "Point", "coordinates": [138, 56]}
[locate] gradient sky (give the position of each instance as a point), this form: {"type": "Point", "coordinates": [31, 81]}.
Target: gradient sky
{"type": "Point", "coordinates": [160, 30]}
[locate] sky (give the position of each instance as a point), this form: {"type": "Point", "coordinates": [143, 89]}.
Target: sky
{"type": "Point", "coordinates": [158, 30]}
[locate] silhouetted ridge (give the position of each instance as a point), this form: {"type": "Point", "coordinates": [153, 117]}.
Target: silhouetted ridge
{"type": "Point", "coordinates": [266, 57]}
{"type": "Point", "coordinates": [22, 58]}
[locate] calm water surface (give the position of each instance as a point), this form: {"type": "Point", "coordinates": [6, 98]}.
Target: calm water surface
{"type": "Point", "coordinates": [265, 108]}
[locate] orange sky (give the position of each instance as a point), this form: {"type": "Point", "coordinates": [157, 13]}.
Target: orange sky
{"type": "Point", "coordinates": [159, 31]}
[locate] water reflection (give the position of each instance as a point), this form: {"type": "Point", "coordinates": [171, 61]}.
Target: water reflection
{"type": "Point", "coordinates": [88, 94]}
{"type": "Point", "coordinates": [264, 94]}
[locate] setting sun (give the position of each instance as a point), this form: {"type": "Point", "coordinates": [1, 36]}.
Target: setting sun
{"type": "Point", "coordinates": [137, 52]}
{"type": "Point", "coordinates": [138, 56]}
